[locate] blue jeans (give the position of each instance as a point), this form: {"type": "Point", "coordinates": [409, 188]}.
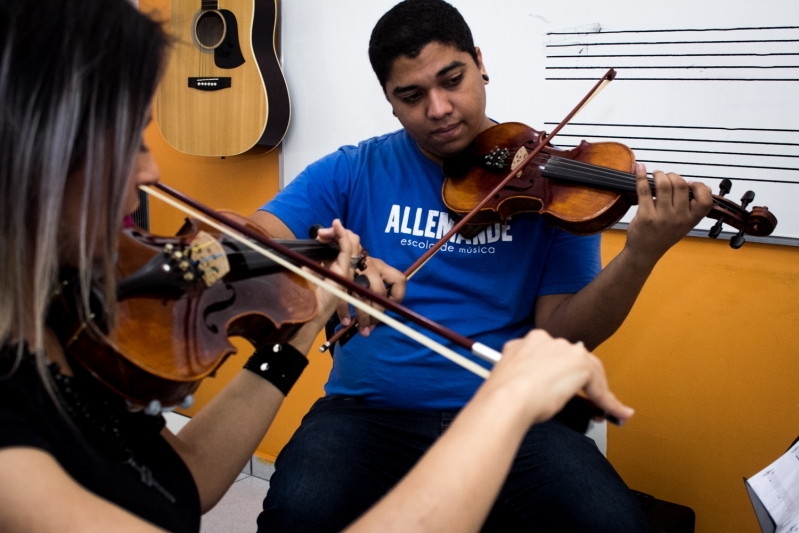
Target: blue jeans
{"type": "Point", "coordinates": [346, 455]}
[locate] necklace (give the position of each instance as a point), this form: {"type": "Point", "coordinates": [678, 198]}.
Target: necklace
{"type": "Point", "coordinates": [99, 416]}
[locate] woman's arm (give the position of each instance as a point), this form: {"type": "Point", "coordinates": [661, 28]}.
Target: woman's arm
{"type": "Point", "coordinates": [535, 378]}
{"type": "Point", "coordinates": [40, 497]}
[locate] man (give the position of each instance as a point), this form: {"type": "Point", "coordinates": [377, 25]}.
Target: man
{"type": "Point", "coordinates": [388, 399]}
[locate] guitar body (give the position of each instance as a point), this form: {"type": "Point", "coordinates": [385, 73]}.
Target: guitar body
{"type": "Point", "coordinates": [213, 98]}
{"type": "Point", "coordinates": [277, 92]}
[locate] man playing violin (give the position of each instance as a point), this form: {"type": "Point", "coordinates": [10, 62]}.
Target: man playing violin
{"type": "Point", "coordinates": [387, 401]}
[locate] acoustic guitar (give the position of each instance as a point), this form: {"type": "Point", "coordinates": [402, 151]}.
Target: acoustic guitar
{"type": "Point", "coordinates": [223, 91]}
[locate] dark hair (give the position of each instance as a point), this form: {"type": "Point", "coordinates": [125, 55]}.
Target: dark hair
{"type": "Point", "coordinates": [76, 82]}
{"type": "Point", "coordinates": [410, 26]}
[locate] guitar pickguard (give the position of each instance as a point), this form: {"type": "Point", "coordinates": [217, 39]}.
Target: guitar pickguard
{"type": "Point", "coordinates": [228, 54]}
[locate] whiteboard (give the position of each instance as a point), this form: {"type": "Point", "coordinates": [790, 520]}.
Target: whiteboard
{"type": "Point", "coordinates": [705, 88]}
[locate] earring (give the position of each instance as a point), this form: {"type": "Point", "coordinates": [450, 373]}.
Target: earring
{"type": "Point", "coordinates": [485, 77]}
{"type": "Point", "coordinates": [393, 112]}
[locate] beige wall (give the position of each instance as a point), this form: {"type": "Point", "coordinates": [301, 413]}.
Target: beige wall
{"type": "Point", "coordinates": [707, 356]}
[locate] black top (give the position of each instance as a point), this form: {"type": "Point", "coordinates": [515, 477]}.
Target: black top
{"type": "Point", "coordinates": [119, 456]}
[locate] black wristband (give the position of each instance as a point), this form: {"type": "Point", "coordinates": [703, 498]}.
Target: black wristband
{"type": "Point", "coordinates": [279, 364]}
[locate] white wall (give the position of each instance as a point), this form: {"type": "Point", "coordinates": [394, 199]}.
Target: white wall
{"type": "Point", "coordinates": [337, 100]}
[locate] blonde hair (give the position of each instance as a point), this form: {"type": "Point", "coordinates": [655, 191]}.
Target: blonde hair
{"type": "Point", "coordinates": [76, 82]}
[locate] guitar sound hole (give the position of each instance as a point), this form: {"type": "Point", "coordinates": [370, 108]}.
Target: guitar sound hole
{"type": "Point", "coordinates": [210, 29]}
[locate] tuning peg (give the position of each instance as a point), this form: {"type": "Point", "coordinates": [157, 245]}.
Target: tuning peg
{"type": "Point", "coordinates": [738, 240]}
{"type": "Point", "coordinates": [314, 231]}
{"type": "Point", "coordinates": [362, 280]}
{"type": "Point", "coordinates": [747, 198]}
{"type": "Point", "coordinates": [715, 231]}
{"type": "Point", "coordinates": [724, 188]}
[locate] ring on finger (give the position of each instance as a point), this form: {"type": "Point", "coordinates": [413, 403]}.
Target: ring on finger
{"type": "Point", "coordinates": [359, 261]}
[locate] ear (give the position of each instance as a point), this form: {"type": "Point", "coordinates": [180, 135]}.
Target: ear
{"type": "Point", "coordinates": [480, 64]}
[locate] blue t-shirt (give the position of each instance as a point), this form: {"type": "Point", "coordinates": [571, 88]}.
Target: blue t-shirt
{"type": "Point", "coordinates": [389, 193]}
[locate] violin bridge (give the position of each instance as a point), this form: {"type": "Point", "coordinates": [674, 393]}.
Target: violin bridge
{"type": "Point", "coordinates": [210, 258]}
{"type": "Point", "coordinates": [517, 160]}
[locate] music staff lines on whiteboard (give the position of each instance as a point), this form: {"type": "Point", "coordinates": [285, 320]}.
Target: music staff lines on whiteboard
{"type": "Point", "coordinates": [770, 54]}
{"type": "Point", "coordinates": [642, 148]}
{"type": "Point", "coordinates": [677, 42]}
{"type": "Point", "coordinates": [766, 159]}
{"type": "Point", "coordinates": [561, 135]}
{"type": "Point", "coordinates": [598, 29]}
{"type": "Point", "coordinates": [674, 126]}
{"type": "Point", "coordinates": [680, 55]}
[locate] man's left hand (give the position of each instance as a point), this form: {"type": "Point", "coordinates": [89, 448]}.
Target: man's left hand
{"type": "Point", "coordinates": [665, 219]}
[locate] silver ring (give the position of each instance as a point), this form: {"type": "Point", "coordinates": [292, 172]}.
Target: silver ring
{"type": "Point", "coordinates": [354, 260]}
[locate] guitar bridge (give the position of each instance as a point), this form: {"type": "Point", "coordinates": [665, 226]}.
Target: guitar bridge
{"type": "Point", "coordinates": [209, 84]}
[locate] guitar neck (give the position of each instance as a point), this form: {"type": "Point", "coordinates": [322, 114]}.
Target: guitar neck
{"type": "Point", "coordinates": [210, 5]}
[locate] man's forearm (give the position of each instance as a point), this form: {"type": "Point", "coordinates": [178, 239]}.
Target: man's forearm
{"type": "Point", "coordinates": [598, 310]}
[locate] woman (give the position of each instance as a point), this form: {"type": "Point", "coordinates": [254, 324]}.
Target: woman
{"type": "Point", "coordinates": [76, 82]}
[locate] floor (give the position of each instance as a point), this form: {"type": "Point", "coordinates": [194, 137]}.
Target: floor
{"type": "Point", "coordinates": [237, 511]}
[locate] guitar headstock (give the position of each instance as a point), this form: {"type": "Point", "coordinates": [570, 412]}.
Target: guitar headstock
{"type": "Point", "coordinates": [758, 222]}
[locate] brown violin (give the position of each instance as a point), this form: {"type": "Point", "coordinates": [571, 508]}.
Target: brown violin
{"type": "Point", "coordinates": [584, 190]}
{"type": "Point", "coordinates": [179, 299]}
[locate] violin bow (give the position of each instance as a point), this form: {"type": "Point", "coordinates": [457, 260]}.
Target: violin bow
{"type": "Point", "coordinates": [289, 259]}
{"type": "Point", "coordinates": [543, 140]}
{"type": "Point", "coordinates": [577, 411]}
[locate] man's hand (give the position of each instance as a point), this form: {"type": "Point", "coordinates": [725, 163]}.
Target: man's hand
{"type": "Point", "coordinates": [383, 280]}
{"type": "Point", "coordinates": [662, 221]}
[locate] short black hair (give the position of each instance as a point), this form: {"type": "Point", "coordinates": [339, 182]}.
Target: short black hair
{"type": "Point", "coordinates": [410, 26]}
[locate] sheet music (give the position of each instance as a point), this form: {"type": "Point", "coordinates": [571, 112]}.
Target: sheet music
{"type": "Point", "coordinates": [777, 486]}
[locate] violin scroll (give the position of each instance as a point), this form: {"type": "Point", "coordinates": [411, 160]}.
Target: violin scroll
{"type": "Point", "coordinates": [758, 222]}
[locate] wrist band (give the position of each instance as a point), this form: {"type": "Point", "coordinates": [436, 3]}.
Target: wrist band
{"type": "Point", "coordinates": [279, 364]}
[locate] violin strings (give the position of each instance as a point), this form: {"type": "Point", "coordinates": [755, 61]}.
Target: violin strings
{"type": "Point", "coordinates": [590, 174]}
{"type": "Point", "coordinates": [600, 176]}
{"type": "Point", "coordinates": [399, 326]}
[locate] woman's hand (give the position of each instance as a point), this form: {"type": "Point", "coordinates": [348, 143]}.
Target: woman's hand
{"type": "Point", "coordinates": [544, 373]}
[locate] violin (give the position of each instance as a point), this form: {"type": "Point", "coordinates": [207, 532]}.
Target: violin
{"type": "Point", "coordinates": [584, 191]}
{"type": "Point", "coordinates": [179, 299]}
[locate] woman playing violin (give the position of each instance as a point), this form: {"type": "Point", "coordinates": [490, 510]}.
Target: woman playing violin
{"type": "Point", "coordinates": [76, 82]}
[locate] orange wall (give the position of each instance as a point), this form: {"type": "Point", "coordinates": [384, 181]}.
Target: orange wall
{"type": "Point", "coordinates": [708, 359]}
{"type": "Point", "coordinates": [707, 356]}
